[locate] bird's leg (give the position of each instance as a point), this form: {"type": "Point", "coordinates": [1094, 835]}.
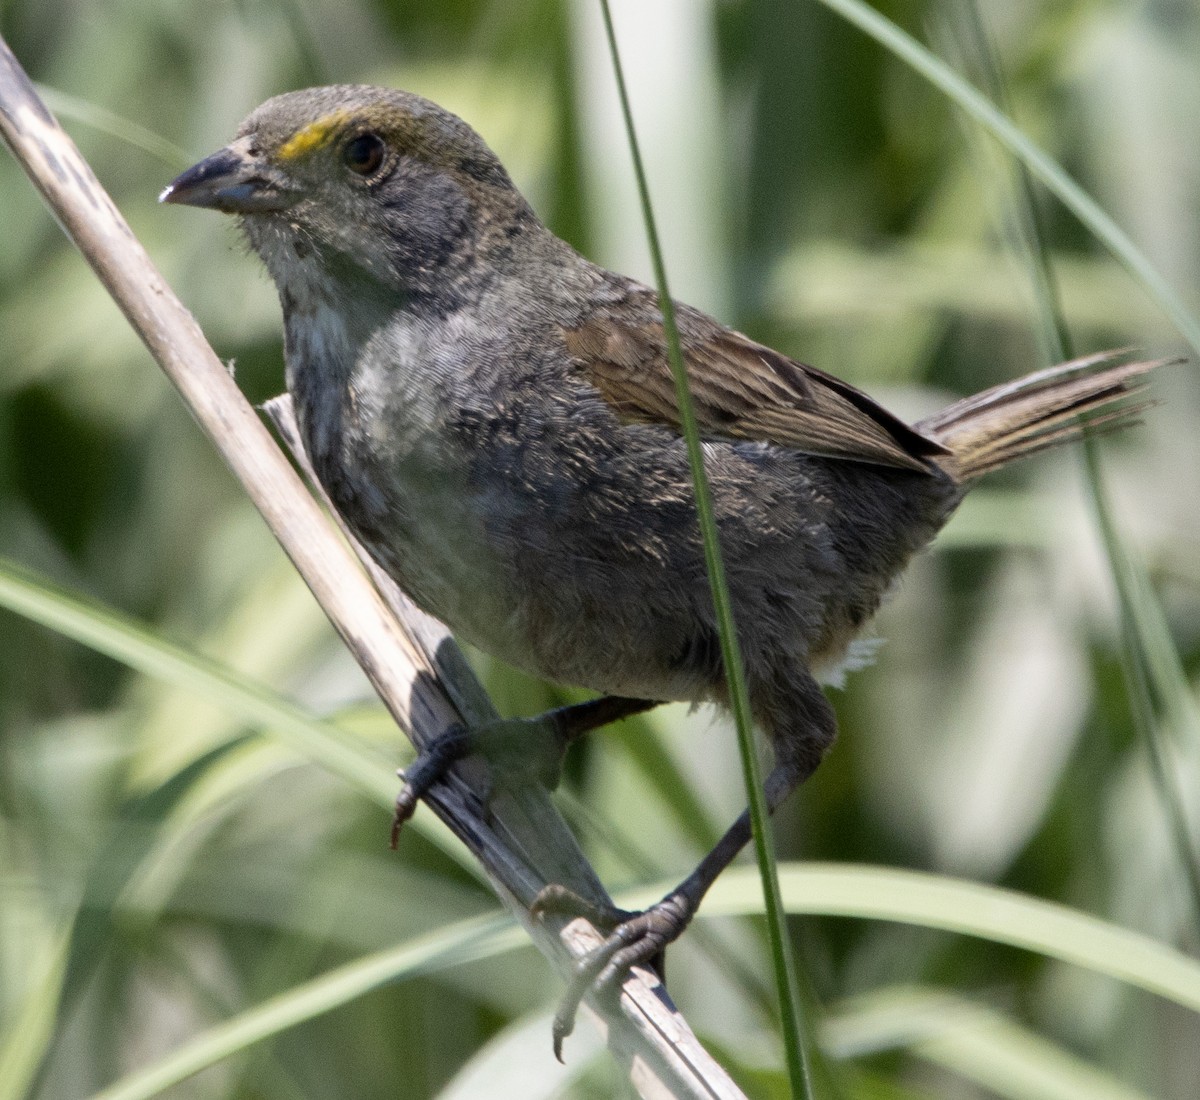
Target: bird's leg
{"type": "Point", "coordinates": [641, 939]}
{"type": "Point", "coordinates": [637, 939]}
{"type": "Point", "coordinates": [535, 745]}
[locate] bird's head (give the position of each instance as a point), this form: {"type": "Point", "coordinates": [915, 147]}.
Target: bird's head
{"type": "Point", "coordinates": [352, 181]}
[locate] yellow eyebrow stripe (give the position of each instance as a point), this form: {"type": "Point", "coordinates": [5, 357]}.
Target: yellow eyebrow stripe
{"type": "Point", "coordinates": [313, 135]}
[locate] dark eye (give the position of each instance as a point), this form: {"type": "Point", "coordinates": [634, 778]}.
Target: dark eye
{"type": "Point", "coordinates": [364, 154]}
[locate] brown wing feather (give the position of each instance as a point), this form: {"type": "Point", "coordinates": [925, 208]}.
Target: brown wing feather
{"type": "Point", "coordinates": [740, 389]}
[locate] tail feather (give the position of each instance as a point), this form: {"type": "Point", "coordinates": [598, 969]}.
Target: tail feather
{"type": "Point", "coordinates": [1044, 409]}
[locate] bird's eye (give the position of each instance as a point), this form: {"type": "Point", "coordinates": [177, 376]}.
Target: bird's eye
{"type": "Point", "coordinates": [364, 154]}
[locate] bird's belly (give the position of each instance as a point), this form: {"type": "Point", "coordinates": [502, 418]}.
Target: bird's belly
{"type": "Point", "coordinates": [613, 629]}
{"type": "Point", "coordinates": [557, 628]}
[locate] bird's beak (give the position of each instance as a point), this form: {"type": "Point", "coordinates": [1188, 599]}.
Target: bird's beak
{"type": "Point", "coordinates": [233, 180]}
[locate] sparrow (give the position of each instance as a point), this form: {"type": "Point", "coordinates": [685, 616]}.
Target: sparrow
{"type": "Point", "coordinates": [494, 416]}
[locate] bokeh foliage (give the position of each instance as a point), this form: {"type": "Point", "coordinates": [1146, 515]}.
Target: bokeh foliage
{"type": "Point", "coordinates": [158, 875]}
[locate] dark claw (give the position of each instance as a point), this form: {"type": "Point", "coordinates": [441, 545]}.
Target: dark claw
{"type": "Point", "coordinates": [586, 970]}
{"type": "Point", "coordinates": [634, 939]}
{"type": "Point", "coordinates": [430, 765]}
{"type": "Point", "coordinates": [520, 746]}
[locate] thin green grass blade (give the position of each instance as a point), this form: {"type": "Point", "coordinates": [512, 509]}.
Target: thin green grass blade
{"type": "Point", "coordinates": [968, 908]}
{"type": "Point", "coordinates": [973, 1040]}
{"type": "Point", "coordinates": [116, 126]}
{"type": "Point", "coordinates": [31, 1024]}
{"type": "Point", "coordinates": [133, 837]}
{"type": "Point", "coordinates": [25, 1048]}
{"type": "Point", "coordinates": [1143, 632]}
{"type": "Point", "coordinates": [320, 742]}
{"type": "Point", "coordinates": [873, 893]}
{"type": "Point", "coordinates": [649, 755]}
{"type": "Point", "coordinates": [517, 1064]}
{"type": "Point", "coordinates": [1143, 627]}
{"type": "Point", "coordinates": [463, 942]}
{"type": "Point", "coordinates": [1044, 167]}
{"type": "Point", "coordinates": [796, 1042]}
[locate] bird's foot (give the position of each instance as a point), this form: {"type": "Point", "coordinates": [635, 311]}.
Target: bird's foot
{"type": "Point", "coordinates": [431, 765]}
{"type": "Point", "coordinates": [634, 939]}
{"type": "Point", "coordinates": [518, 749]}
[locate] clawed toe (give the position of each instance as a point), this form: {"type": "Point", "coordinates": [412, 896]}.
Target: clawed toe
{"type": "Point", "coordinates": [520, 749]}
{"type": "Point", "coordinates": [429, 766]}
{"type": "Point", "coordinates": [634, 939]}
{"type": "Point", "coordinates": [560, 901]}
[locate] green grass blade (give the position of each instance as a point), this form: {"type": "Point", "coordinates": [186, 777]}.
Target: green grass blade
{"type": "Point", "coordinates": [25, 1046]}
{"type": "Point", "coordinates": [1143, 632]}
{"type": "Point", "coordinates": [463, 942]}
{"type": "Point", "coordinates": [971, 909]}
{"type": "Point", "coordinates": [793, 1025]}
{"type": "Point", "coordinates": [1143, 627]}
{"type": "Point", "coordinates": [650, 757]}
{"type": "Point", "coordinates": [517, 1064]}
{"type": "Point", "coordinates": [1041, 165]}
{"type": "Point", "coordinates": [30, 1028]}
{"type": "Point", "coordinates": [133, 838]}
{"type": "Point", "coordinates": [115, 126]}
{"type": "Point", "coordinates": [319, 742]}
{"type": "Point", "coordinates": [874, 893]}
{"type": "Point", "coordinates": [970, 1039]}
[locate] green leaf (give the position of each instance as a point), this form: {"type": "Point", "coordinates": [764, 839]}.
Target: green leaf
{"type": "Point", "coordinates": [1044, 167]}
{"type": "Point", "coordinates": [319, 742]}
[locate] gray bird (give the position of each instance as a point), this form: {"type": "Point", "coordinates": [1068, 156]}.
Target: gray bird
{"type": "Point", "coordinates": [495, 418]}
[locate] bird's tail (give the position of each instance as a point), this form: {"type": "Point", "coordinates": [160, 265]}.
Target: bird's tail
{"type": "Point", "coordinates": [1044, 409]}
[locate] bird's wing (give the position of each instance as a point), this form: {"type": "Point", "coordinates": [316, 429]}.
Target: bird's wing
{"type": "Point", "coordinates": [740, 389]}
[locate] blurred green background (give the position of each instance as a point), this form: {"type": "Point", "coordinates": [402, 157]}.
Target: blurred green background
{"type": "Point", "coordinates": [813, 192]}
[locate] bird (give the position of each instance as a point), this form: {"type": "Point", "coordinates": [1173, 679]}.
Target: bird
{"type": "Point", "coordinates": [494, 417]}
